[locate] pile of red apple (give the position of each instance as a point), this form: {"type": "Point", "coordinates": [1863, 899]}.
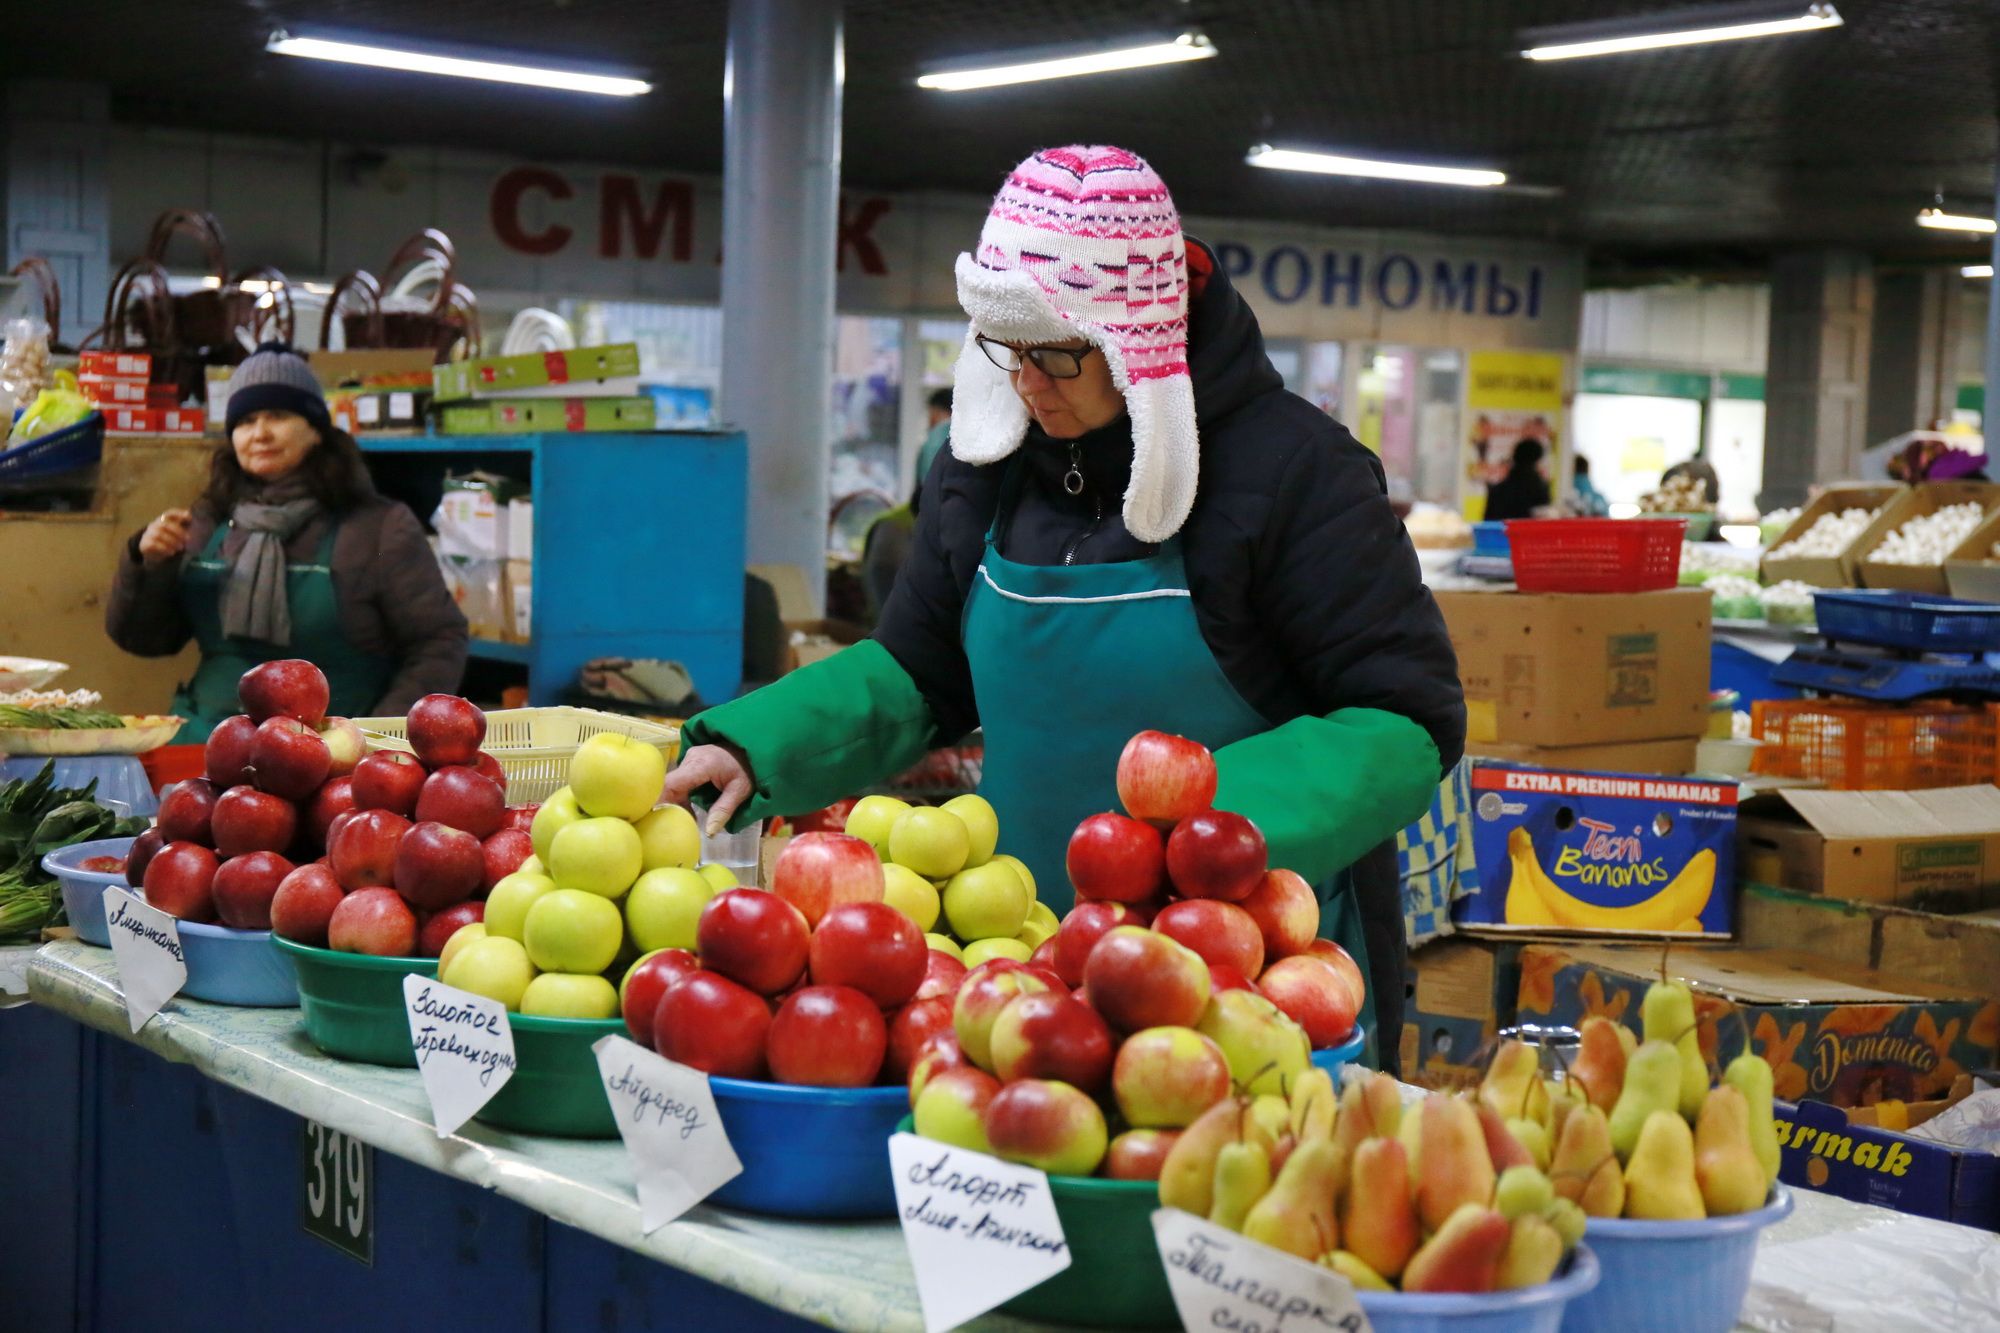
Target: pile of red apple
{"type": "Point", "coordinates": [297, 829]}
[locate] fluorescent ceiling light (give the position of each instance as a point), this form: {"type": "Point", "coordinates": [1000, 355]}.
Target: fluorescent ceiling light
{"type": "Point", "coordinates": [1333, 164]}
{"type": "Point", "coordinates": [1940, 220]}
{"type": "Point", "coordinates": [1976, 271]}
{"type": "Point", "coordinates": [421, 62]}
{"type": "Point", "coordinates": [1187, 46]}
{"type": "Point", "coordinates": [1686, 27]}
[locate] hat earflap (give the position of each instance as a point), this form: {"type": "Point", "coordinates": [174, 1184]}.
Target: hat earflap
{"type": "Point", "coordinates": [1166, 448]}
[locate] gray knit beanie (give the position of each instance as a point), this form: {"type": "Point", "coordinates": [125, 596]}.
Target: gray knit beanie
{"type": "Point", "coordinates": [275, 378]}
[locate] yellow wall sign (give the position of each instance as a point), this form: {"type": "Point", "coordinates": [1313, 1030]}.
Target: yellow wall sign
{"type": "Point", "coordinates": [1518, 381]}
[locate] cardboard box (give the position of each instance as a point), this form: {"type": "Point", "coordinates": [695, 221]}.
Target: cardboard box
{"type": "Point", "coordinates": [526, 416]}
{"type": "Point", "coordinates": [816, 640]}
{"type": "Point", "coordinates": [115, 365]}
{"type": "Point", "coordinates": [1460, 994]}
{"type": "Point", "coordinates": [1936, 850]}
{"type": "Point", "coordinates": [789, 586]}
{"type": "Point", "coordinates": [1844, 1035]}
{"type": "Point", "coordinates": [1581, 669]}
{"type": "Point", "coordinates": [1961, 951]}
{"type": "Point", "coordinates": [1829, 571]}
{"type": "Point", "coordinates": [1848, 1153]}
{"type": "Point", "coordinates": [102, 391]}
{"type": "Point", "coordinates": [1916, 503]}
{"type": "Point", "coordinates": [521, 528]}
{"type": "Point", "coordinates": [470, 517]}
{"type": "Point", "coordinates": [367, 411]}
{"type": "Point", "coordinates": [1600, 853]}
{"type": "Point", "coordinates": [154, 420]}
{"type": "Point", "coordinates": [496, 376]}
{"type": "Point", "coordinates": [408, 366]}
{"type": "Point", "coordinates": [1669, 757]}
{"type": "Point", "coordinates": [517, 593]}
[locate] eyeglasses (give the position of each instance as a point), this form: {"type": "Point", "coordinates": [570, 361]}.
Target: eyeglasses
{"type": "Point", "coordinates": [1058, 363]}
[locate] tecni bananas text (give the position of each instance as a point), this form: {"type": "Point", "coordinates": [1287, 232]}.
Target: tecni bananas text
{"type": "Point", "coordinates": [1534, 899]}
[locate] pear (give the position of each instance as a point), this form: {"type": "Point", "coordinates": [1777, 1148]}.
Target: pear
{"type": "Point", "coordinates": [1296, 1215]}
{"type": "Point", "coordinates": [1187, 1175]}
{"type": "Point", "coordinates": [1568, 1219]}
{"type": "Point", "coordinates": [1463, 1255]}
{"type": "Point", "coordinates": [1585, 1170]}
{"type": "Point", "coordinates": [1652, 1083]}
{"type": "Point", "coordinates": [1598, 1071]}
{"type": "Point", "coordinates": [1501, 1145]}
{"type": "Point", "coordinates": [1456, 1167]}
{"type": "Point", "coordinates": [1667, 1013]}
{"type": "Point", "coordinates": [1751, 1075]}
{"type": "Point", "coordinates": [1659, 1179]}
{"type": "Point", "coordinates": [1731, 1177]}
{"type": "Point", "coordinates": [1350, 1266]}
{"type": "Point", "coordinates": [1409, 1133]}
{"type": "Point", "coordinates": [1369, 1108]}
{"type": "Point", "coordinates": [1534, 1136]}
{"type": "Point", "coordinates": [1242, 1176]}
{"type": "Point", "coordinates": [1522, 1190]}
{"type": "Point", "coordinates": [1273, 1115]}
{"type": "Point", "coordinates": [1513, 1083]}
{"type": "Point", "coordinates": [1563, 1098]}
{"type": "Point", "coordinates": [1310, 1088]}
{"type": "Point", "coordinates": [1377, 1217]}
{"type": "Point", "coordinates": [1534, 1251]}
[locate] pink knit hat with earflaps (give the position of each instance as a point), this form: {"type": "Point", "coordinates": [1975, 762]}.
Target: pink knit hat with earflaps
{"type": "Point", "coordinates": [1084, 242]}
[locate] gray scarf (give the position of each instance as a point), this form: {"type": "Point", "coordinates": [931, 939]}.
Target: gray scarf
{"type": "Point", "coordinates": [254, 602]}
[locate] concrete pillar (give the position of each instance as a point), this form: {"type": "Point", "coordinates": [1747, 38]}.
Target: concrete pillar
{"type": "Point", "coordinates": [1816, 380]}
{"type": "Point", "coordinates": [780, 211]}
{"type": "Point", "coordinates": [1987, 418]}
{"type": "Point", "coordinates": [55, 200]}
{"type": "Point", "coordinates": [1913, 351]}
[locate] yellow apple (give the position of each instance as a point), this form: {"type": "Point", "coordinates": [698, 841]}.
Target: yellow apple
{"type": "Point", "coordinates": [669, 837]}
{"type": "Point", "coordinates": [496, 967]}
{"type": "Point", "coordinates": [558, 812]}
{"type": "Point", "coordinates": [986, 901]}
{"type": "Point", "coordinates": [464, 935]}
{"type": "Point", "coordinates": [1021, 869]}
{"type": "Point", "coordinates": [1034, 930]}
{"type": "Point", "coordinates": [507, 906]}
{"type": "Point", "coordinates": [665, 906]}
{"type": "Point", "coordinates": [871, 819]}
{"type": "Point", "coordinates": [945, 944]}
{"type": "Point", "coordinates": [532, 866]}
{"type": "Point", "coordinates": [721, 876]}
{"type": "Point", "coordinates": [985, 951]}
{"type": "Point", "coordinates": [910, 893]}
{"type": "Point", "coordinates": [982, 826]}
{"type": "Point", "coordinates": [600, 856]}
{"type": "Point", "coordinates": [573, 930]}
{"type": "Point", "coordinates": [569, 995]}
{"type": "Point", "coordinates": [617, 776]}
{"type": "Point", "coordinates": [931, 841]}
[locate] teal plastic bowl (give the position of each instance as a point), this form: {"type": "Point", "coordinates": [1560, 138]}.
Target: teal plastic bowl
{"type": "Point", "coordinates": [1530, 1310]}
{"type": "Point", "coordinates": [1672, 1277]}
{"type": "Point", "coordinates": [353, 1002]}
{"type": "Point", "coordinates": [556, 1087]}
{"type": "Point", "coordinates": [809, 1152]}
{"type": "Point", "coordinates": [83, 890]}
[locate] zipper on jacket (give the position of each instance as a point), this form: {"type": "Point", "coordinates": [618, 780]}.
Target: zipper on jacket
{"type": "Point", "coordinates": [1096, 503]}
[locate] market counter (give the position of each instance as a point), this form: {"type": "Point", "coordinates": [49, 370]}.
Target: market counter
{"type": "Point", "coordinates": [845, 1275]}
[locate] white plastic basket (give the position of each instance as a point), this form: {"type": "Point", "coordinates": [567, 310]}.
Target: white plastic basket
{"type": "Point", "coordinates": [533, 745]}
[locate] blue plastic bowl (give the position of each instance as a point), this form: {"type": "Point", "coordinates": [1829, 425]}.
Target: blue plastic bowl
{"type": "Point", "coordinates": [809, 1152]}
{"type": "Point", "coordinates": [1529, 1310]}
{"type": "Point", "coordinates": [1673, 1277]}
{"type": "Point", "coordinates": [83, 890]}
{"type": "Point", "coordinates": [227, 966]}
{"type": "Point", "coordinates": [1334, 1058]}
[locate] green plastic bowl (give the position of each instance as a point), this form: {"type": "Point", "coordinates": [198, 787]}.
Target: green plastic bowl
{"type": "Point", "coordinates": [353, 1002]}
{"type": "Point", "coordinates": [556, 1087]}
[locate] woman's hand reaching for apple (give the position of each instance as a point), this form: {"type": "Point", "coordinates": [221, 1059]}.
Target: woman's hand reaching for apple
{"type": "Point", "coordinates": [719, 766]}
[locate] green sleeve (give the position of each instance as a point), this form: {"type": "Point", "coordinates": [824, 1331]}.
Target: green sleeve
{"type": "Point", "coordinates": [1324, 790]}
{"type": "Point", "coordinates": [821, 732]}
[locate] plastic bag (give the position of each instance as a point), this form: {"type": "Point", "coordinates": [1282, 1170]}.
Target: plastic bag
{"type": "Point", "coordinates": [1890, 1274]}
{"type": "Point", "coordinates": [24, 359]}
{"type": "Point", "coordinates": [53, 409]}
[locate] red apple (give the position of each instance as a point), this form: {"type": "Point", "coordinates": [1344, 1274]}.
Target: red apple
{"type": "Point", "coordinates": [226, 757]}
{"type": "Point", "coordinates": [1080, 931]}
{"type": "Point", "coordinates": [335, 798]}
{"type": "Point", "coordinates": [373, 921]}
{"type": "Point", "coordinates": [1166, 1077]}
{"type": "Point", "coordinates": [1050, 1035]}
{"type": "Point", "coordinates": [939, 1054]}
{"type": "Point", "coordinates": [437, 865]}
{"type": "Point", "coordinates": [1343, 963]}
{"type": "Point", "coordinates": [1047, 1125]}
{"type": "Point", "coordinates": [1115, 858]}
{"type": "Point", "coordinates": [911, 1028]}
{"type": "Point", "coordinates": [180, 880]}
{"type": "Point", "coordinates": [363, 850]}
{"type": "Point", "coordinates": [248, 820]}
{"type": "Point", "coordinates": [488, 767]}
{"type": "Point", "coordinates": [1220, 932]}
{"type": "Point", "coordinates": [1315, 995]}
{"type": "Point", "coordinates": [290, 687]}
{"type": "Point", "coordinates": [649, 978]}
{"type": "Point", "coordinates": [1138, 1154]}
{"type": "Point", "coordinates": [1048, 976]}
{"type": "Point", "coordinates": [872, 947]}
{"type": "Point", "coordinates": [288, 759]}
{"type": "Point", "coordinates": [186, 809]}
{"type": "Point", "coordinates": [819, 871]}
{"type": "Point", "coordinates": [439, 927]}
{"type": "Point", "coordinates": [504, 852]}
{"type": "Point", "coordinates": [830, 819]}
{"type": "Point", "coordinates": [463, 798]}
{"type": "Point", "coordinates": [986, 990]}
{"type": "Point", "coordinates": [827, 1037]}
{"type": "Point", "coordinates": [244, 886]}
{"type": "Point", "coordinates": [345, 745]}
{"type": "Point", "coordinates": [1163, 779]}
{"type": "Point", "coordinates": [754, 938]}
{"type": "Point", "coordinates": [1286, 911]}
{"type": "Point", "coordinates": [1141, 979]}
{"type": "Point", "coordinates": [1216, 854]}
{"type": "Point", "coordinates": [1044, 956]}
{"type": "Point", "coordinates": [304, 903]}
{"type": "Point", "coordinates": [942, 973]}
{"type": "Point", "coordinates": [1222, 977]}
{"type": "Point", "coordinates": [520, 817]}
{"type": "Point", "coordinates": [708, 1022]}
{"type": "Point", "coordinates": [143, 849]}
{"type": "Point", "coordinates": [950, 1105]}
{"type": "Point", "coordinates": [444, 730]}
{"type": "Point", "coordinates": [388, 780]}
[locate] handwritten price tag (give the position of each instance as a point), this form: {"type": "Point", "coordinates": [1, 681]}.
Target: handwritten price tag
{"type": "Point", "coordinates": [666, 1115]}
{"type": "Point", "coordinates": [979, 1230]}
{"type": "Point", "coordinates": [465, 1049]}
{"type": "Point", "coordinates": [146, 942]}
{"type": "Point", "coordinates": [1221, 1280]}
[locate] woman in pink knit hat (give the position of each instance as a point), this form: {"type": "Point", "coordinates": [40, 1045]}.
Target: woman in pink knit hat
{"type": "Point", "coordinates": [1135, 527]}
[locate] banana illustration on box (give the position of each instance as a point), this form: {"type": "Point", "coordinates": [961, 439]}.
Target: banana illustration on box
{"type": "Point", "coordinates": [1533, 899]}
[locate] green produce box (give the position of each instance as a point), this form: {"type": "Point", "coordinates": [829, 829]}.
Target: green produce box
{"type": "Point", "coordinates": [535, 416]}
{"type": "Point", "coordinates": [496, 375]}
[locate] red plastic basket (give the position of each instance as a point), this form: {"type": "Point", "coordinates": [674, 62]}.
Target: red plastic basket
{"type": "Point", "coordinates": [1596, 554]}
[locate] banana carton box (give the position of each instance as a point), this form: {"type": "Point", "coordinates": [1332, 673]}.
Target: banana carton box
{"type": "Point", "coordinates": [1599, 853]}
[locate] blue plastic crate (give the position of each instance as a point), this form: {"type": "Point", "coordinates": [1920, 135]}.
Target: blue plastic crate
{"type": "Point", "coordinates": [1490, 539]}
{"type": "Point", "coordinates": [1920, 622]}
{"type": "Point", "coordinates": [59, 451]}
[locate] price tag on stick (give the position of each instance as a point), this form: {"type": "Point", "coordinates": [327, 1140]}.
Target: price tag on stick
{"type": "Point", "coordinates": [146, 942]}
{"type": "Point", "coordinates": [465, 1048]}
{"type": "Point", "coordinates": [979, 1230]}
{"type": "Point", "coordinates": [1223, 1280]}
{"type": "Point", "coordinates": [666, 1115]}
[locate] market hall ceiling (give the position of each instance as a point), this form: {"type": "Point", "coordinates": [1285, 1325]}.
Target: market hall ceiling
{"type": "Point", "coordinates": [1702, 155]}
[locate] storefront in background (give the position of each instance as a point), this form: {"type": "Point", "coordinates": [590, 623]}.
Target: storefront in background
{"type": "Point", "coordinates": [1633, 423]}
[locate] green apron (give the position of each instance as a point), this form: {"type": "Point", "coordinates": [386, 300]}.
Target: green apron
{"type": "Point", "coordinates": [1068, 662]}
{"type": "Point", "coordinates": [355, 680]}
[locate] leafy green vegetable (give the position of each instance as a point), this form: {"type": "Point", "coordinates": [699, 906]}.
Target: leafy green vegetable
{"type": "Point", "coordinates": [14, 716]}
{"type": "Point", "coordinates": [37, 817]}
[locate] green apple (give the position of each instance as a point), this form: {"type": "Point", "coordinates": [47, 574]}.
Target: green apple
{"type": "Point", "coordinates": [558, 812]}
{"type": "Point", "coordinates": [944, 944]}
{"type": "Point", "coordinates": [1041, 924]}
{"type": "Point", "coordinates": [464, 935]}
{"type": "Point", "coordinates": [568, 995]}
{"type": "Point", "coordinates": [931, 841]}
{"type": "Point", "coordinates": [986, 901]}
{"type": "Point", "coordinates": [1021, 869]}
{"type": "Point", "coordinates": [985, 951]}
{"type": "Point", "coordinates": [532, 866]}
{"type": "Point", "coordinates": [665, 906]}
{"type": "Point", "coordinates": [617, 776]}
{"type": "Point", "coordinates": [721, 876]}
{"type": "Point", "coordinates": [496, 967]}
{"type": "Point", "coordinates": [573, 930]}
{"type": "Point", "coordinates": [507, 906]}
{"type": "Point", "coordinates": [600, 856]}
{"type": "Point", "coordinates": [1266, 1050]}
{"type": "Point", "coordinates": [669, 837]}
{"type": "Point", "coordinates": [982, 826]}
{"type": "Point", "coordinates": [871, 819]}
{"type": "Point", "coordinates": [910, 893]}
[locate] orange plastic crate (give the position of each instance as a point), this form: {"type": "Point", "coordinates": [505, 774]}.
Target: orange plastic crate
{"type": "Point", "coordinates": [1875, 747]}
